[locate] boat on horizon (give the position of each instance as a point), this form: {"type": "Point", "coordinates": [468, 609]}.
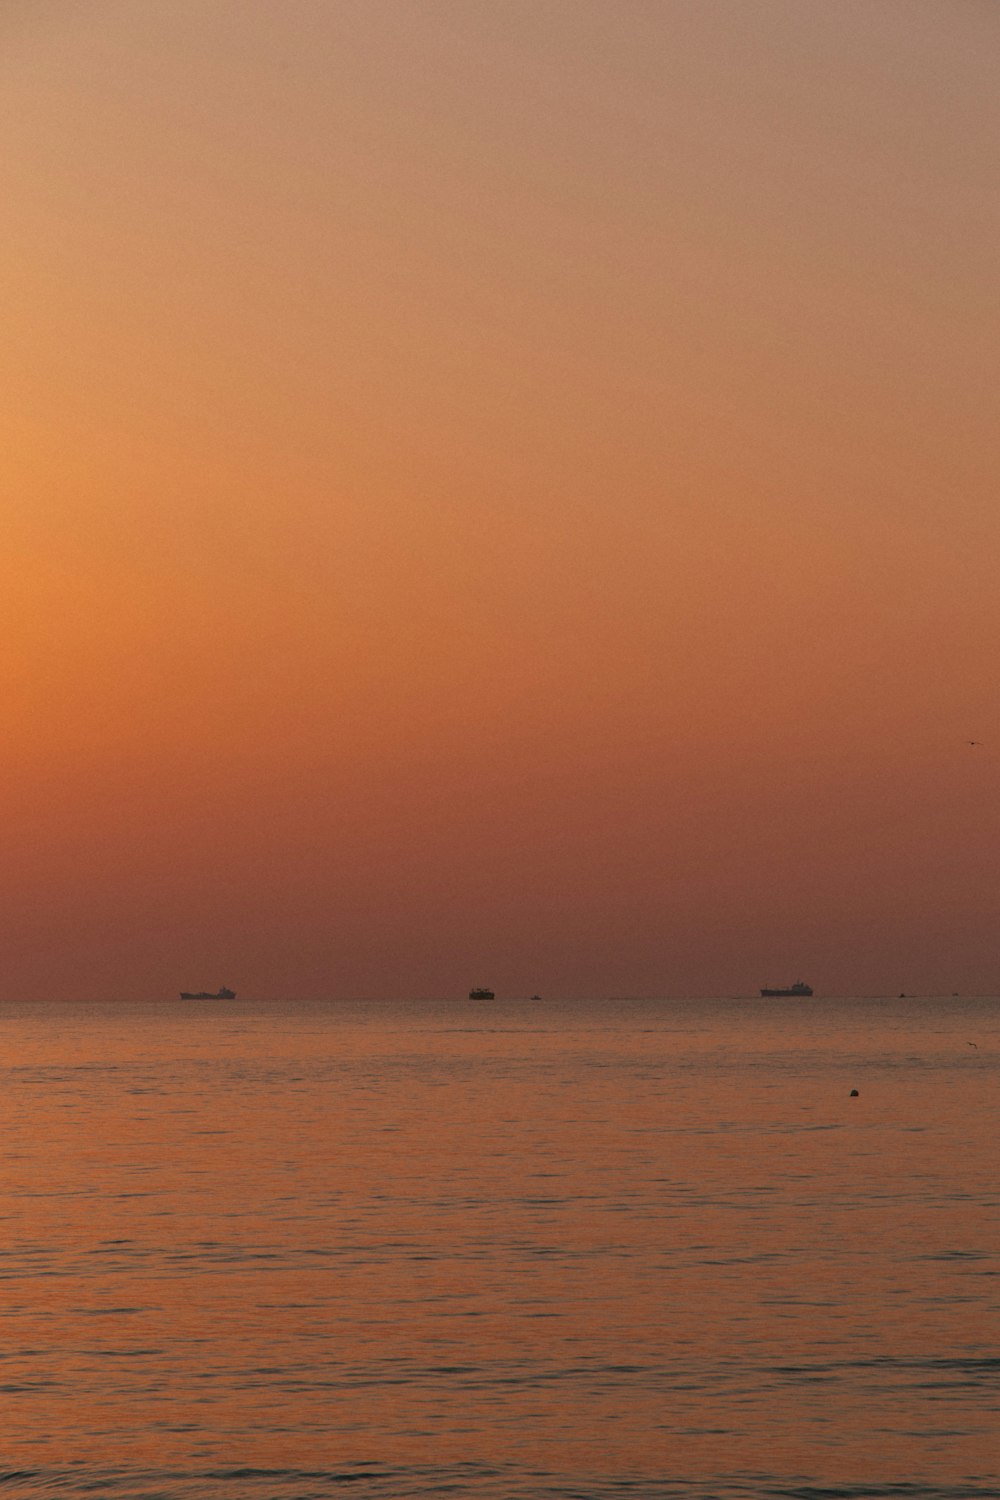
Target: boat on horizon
{"type": "Point", "coordinates": [481, 994]}
{"type": "Point", "coordinates": [796, 990]}
{"type": "Point", "coordinates": [222, 994]}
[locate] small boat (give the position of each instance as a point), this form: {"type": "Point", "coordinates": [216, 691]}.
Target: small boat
{"type": "Point", "coordinates": [222, 994]}
{"type": "Point", "coordinates": [481, 995]}
{"type": "Point", "coordinates": [796, 990]}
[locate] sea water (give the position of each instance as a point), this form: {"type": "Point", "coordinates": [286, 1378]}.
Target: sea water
{"type": "Point", "coordinates": [603, 1249]}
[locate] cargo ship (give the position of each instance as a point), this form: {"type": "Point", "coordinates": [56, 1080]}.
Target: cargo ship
{"type": "Point", "coordinates": [481, 995]}
{"type": "Point", "coordinates": [798, 989]}
{"type": "Point", "coordinates": [222, 994]}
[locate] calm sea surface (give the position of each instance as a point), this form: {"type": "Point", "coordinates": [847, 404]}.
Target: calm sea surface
{"type": "Point", "coordinates": [597, 1250]}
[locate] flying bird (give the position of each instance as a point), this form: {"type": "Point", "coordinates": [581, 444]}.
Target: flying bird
{"type": "Point", "coordinates": [973, 742]}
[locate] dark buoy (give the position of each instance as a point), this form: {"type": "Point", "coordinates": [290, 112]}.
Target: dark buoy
{"type": "Point", "coordinates": [855, 1094]}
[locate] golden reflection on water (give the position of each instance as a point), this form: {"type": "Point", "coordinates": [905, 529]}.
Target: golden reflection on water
{"type": "Point", "coordinates": [661, 1241]}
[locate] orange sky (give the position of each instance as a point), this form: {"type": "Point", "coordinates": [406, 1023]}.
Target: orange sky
{"type": "Point", "coordinates": [499, 493]}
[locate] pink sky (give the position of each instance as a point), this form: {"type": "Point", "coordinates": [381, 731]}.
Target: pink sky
{"type": "Point", "coordinates": [499, 493]}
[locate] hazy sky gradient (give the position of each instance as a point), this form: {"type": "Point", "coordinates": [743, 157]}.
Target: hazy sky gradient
{"type": "Point", "coordinates": [499, 493]}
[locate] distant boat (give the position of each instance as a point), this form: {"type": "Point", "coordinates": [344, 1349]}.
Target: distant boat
{"type": "Point", "coordinates": [536, 997]}
{"type": "Point", "coordinates": [222, 994]}
{"type": "Point", "coordinates": [481, 995]}
{"type": "Point", "coordinates": [797, 989]}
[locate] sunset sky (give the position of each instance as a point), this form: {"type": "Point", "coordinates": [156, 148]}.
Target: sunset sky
{"type": "Point", "coordinates": [499, 493]}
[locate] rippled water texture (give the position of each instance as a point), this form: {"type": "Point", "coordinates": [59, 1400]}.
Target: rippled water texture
{"type": "Point", "coordinates": [612, 1249]}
